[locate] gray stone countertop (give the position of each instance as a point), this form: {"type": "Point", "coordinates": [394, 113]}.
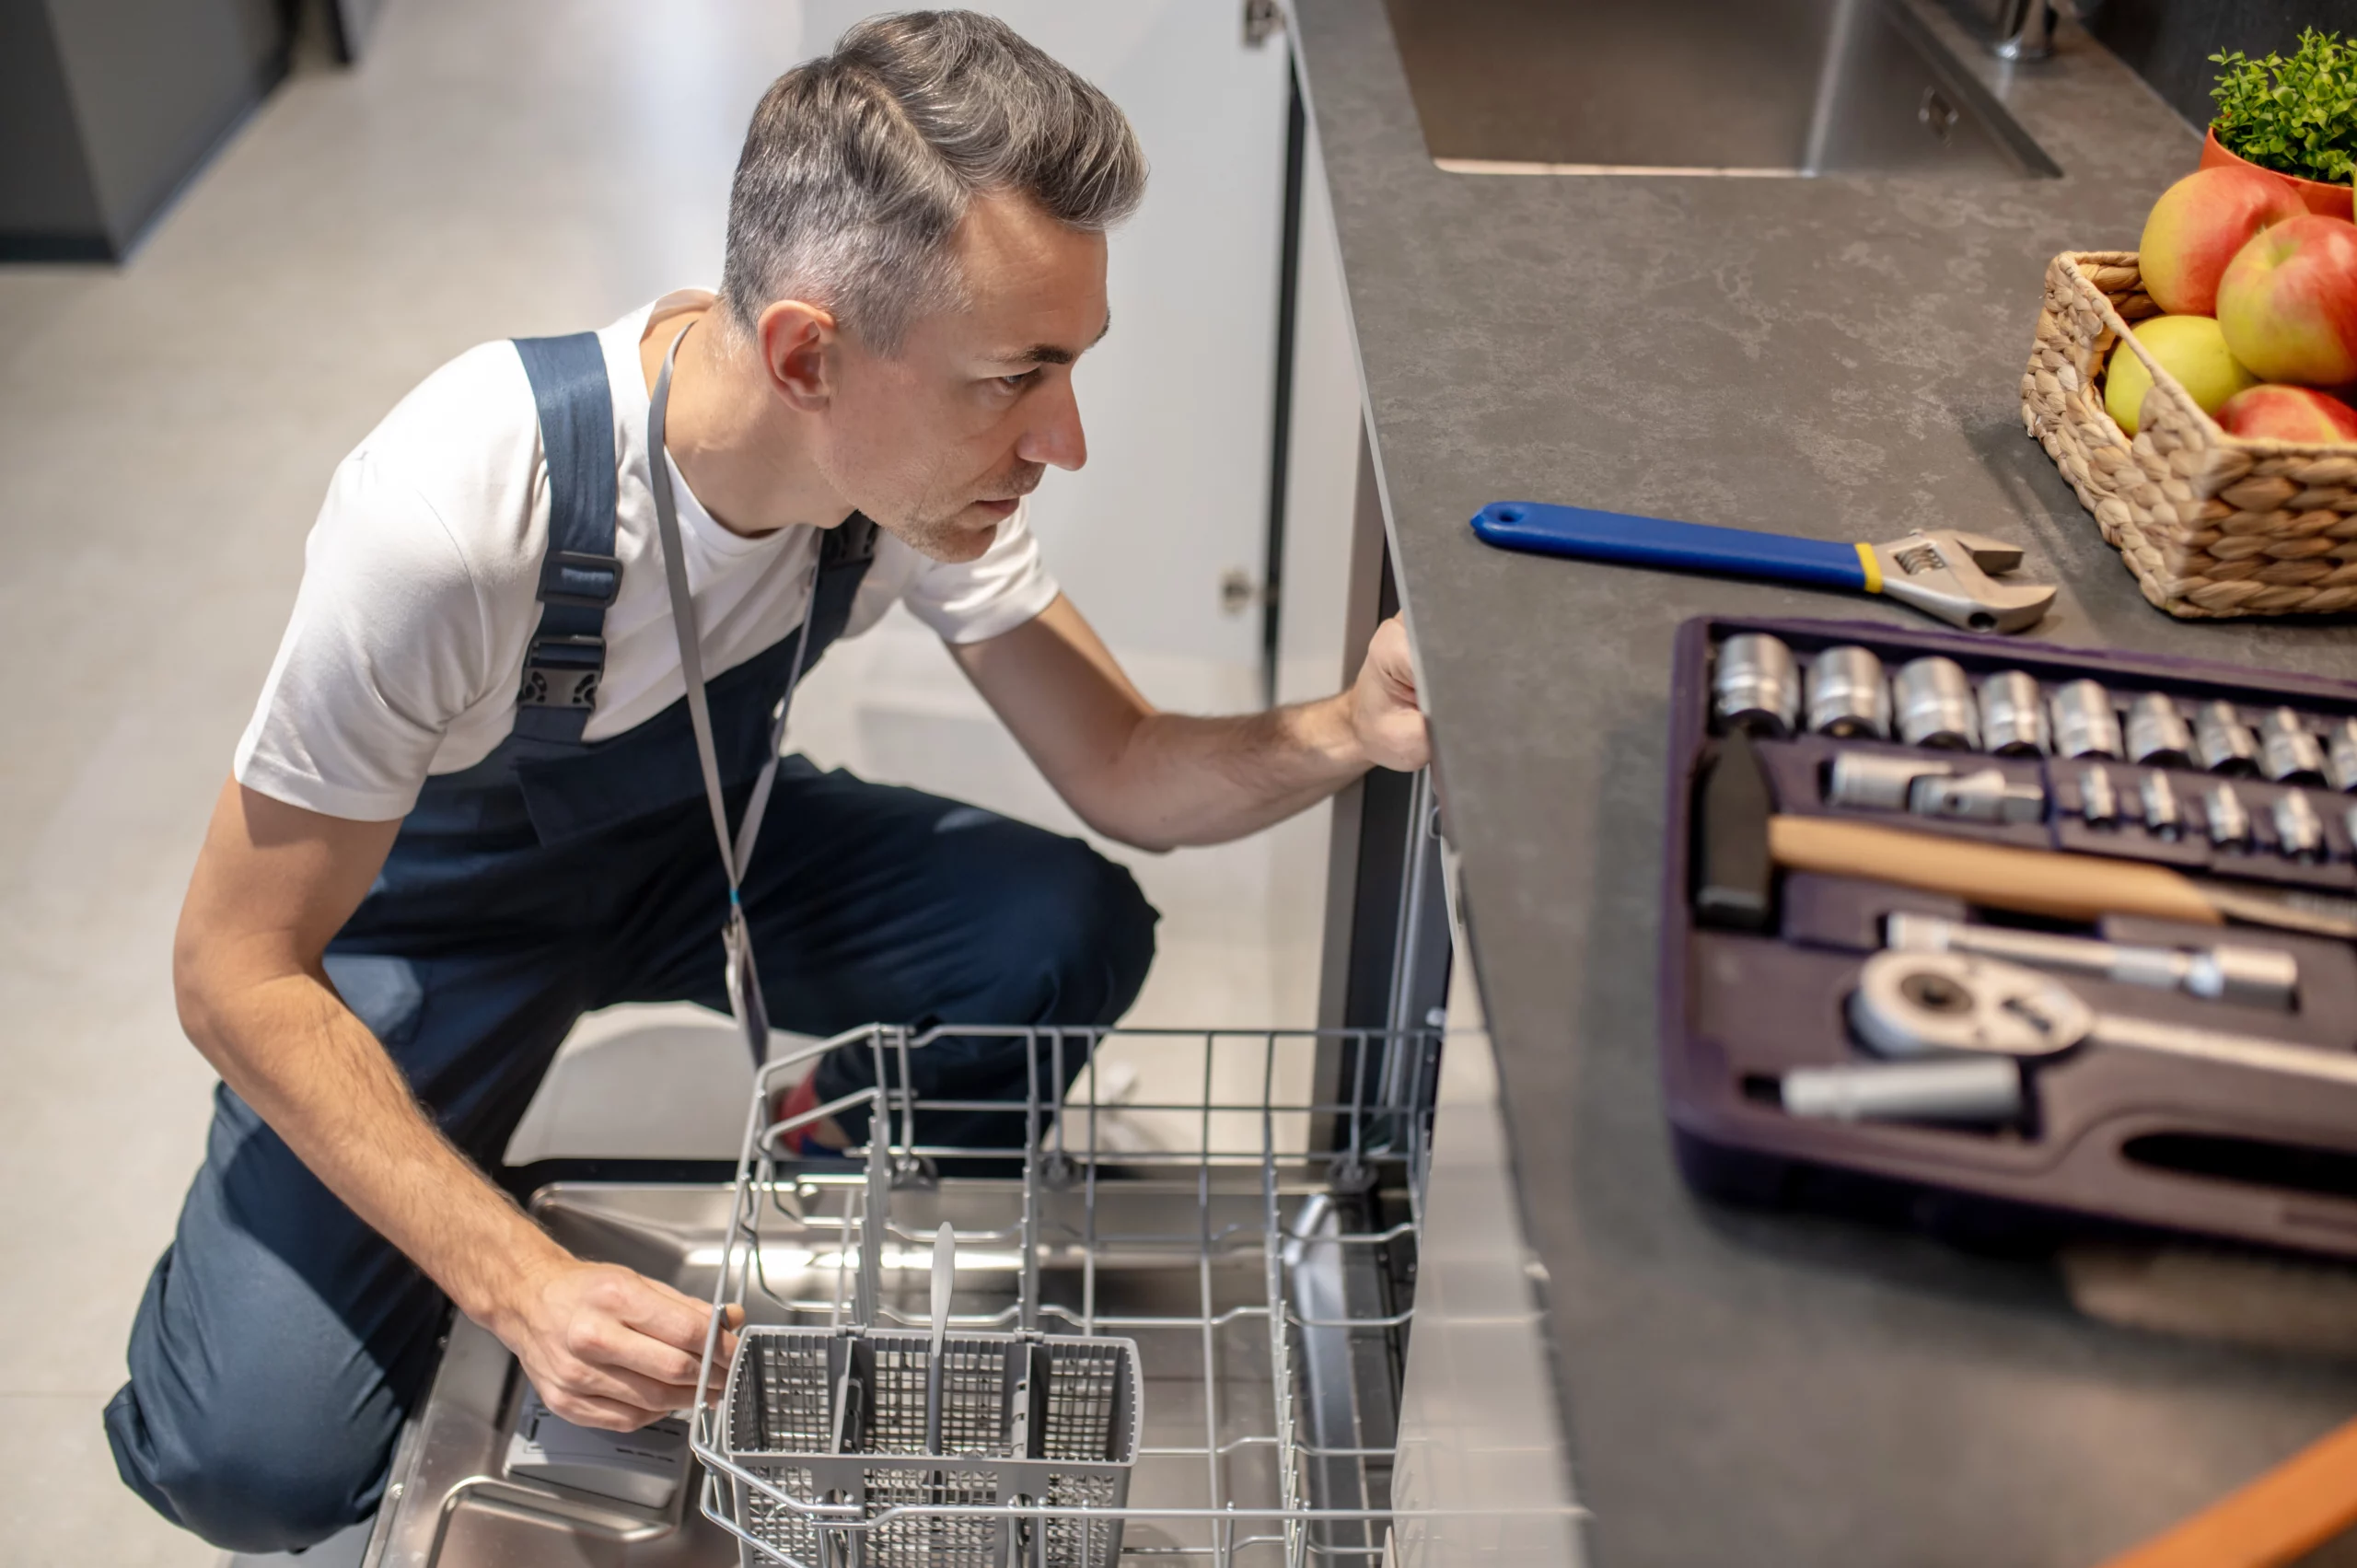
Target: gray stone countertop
{"type": "Point", "coordinates": [1837, 357]}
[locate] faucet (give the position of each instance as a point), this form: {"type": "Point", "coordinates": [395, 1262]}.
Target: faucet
{"type": "Point", "coordinates": [2026, 27]}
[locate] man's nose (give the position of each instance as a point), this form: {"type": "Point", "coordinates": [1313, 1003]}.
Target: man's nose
{"type": "Point", "coordinates": [1055, 437]}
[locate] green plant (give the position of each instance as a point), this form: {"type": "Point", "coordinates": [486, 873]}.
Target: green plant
{"type": "Point", "coordinates": [2295, 116]}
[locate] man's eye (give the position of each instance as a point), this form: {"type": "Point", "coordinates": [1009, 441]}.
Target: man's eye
{"type": "Point", "coordinates": [1016, 383]}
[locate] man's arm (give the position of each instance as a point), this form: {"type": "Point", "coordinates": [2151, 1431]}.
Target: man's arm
{"type": "Point", "coordinates": [604, 1346]}
{"type": "Point", "coordinates": [1160, 780]}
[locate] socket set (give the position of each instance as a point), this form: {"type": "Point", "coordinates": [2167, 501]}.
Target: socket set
{"type": "Point", "coordinates": [2012, 939]}
{"type": "Point", "coordinates": [2241, 787]}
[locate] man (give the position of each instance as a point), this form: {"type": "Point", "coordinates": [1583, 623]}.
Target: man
{"type": "Point", "coordinates": [472, 801]}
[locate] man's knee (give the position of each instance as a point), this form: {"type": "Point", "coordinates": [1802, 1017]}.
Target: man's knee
{"type": "Point", "coordinates": [247, 1477]}
{"type": "Point", "coordinates": [1080, 919]}
{"type": "Point", "coordinates": [257, 1414]}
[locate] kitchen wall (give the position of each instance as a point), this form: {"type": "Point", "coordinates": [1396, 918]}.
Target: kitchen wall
{"type": "Point", "coordinates": [2169, 41]}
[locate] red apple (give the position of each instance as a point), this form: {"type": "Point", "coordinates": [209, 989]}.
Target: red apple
{"type": "Point", "coordinates": [2199, 225]}
{"type": "Point", "coordinates": [2289, 414]}
{"type": "Point", "coordinates": [2288, 302]}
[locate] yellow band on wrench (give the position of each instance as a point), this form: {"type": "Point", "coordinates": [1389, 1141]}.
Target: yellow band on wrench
{"type": "Point", "coordinates": [1871, 566]}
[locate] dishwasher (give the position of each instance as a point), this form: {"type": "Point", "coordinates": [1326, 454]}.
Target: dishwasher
{"type": "Point", "coordinates": [1263, 1269]}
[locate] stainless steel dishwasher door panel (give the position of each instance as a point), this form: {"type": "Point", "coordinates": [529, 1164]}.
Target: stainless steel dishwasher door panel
{"type": "Point", "coordinates": [1182, 1273]}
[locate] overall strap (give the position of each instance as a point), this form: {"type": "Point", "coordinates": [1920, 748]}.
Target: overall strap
{"type": "Point", "coordinates": [579, 576]}
{"type": "Point", "coordinates": [844, 556]}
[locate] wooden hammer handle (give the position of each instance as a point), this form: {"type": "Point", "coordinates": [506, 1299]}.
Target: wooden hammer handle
{"type": "Point", "coordinates": [2029, 881]}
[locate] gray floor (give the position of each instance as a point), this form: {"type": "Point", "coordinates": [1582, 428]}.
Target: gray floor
{"type": "Point", "coordinates": [166, 429]}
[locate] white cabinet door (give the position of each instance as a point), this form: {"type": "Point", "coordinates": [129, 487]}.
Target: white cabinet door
{"type": "Point", "coordinates": [1176, 401]}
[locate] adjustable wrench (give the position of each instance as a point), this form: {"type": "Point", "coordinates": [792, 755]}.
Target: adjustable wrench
{"type": "Point", "coordinates": [1942, 573]}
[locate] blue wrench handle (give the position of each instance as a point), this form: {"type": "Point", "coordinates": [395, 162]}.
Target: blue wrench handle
{"type": "Point", "coordinates": [1590, 535]}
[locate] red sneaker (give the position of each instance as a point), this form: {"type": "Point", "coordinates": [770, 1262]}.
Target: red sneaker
{"type": "Point", "coordinates": [799, 1100]}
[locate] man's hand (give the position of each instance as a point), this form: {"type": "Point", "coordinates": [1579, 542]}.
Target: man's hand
{"type": "Point", "coordinates": [608, 1347]}
{"type": "Point", "coordinates": [1384, 715]}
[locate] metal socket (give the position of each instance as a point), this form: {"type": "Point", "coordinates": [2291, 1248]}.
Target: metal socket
{"type": "Point", "coordinates": [2161, 814]}
{"type": "Point", "coordinates": [1985, 796]}
{"type": "Point", "coordinates": [2157, 733]}
{"type": "Point", "coordinates": [1756, 686]}
{"type": "Point", "coordinates": [2341, 754]}
{"type": "Point", "coordinates": [2229, 820]}
{"type": "Point", "coordinates": [1875, 780]}
{"type": "Point", "coordinates": [1934, 705]}
{"type": "Point", "coordinates": [2222, 742]}
{"type": "Point", "coordinates": [2299, 831]}
{"type": "Point", "coordinates": [2098, 801]}
{"type": "Point", "coordinates": [1848, 696]}
{"type": "Point", "coordinates": [2287, 751]}
{"type": "Point", "coordinates": [2086, 724]}
{"type": "Point", "coordinates": [2013, 714]}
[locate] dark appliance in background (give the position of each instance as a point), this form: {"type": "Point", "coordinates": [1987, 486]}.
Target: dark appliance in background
{"type": "Point", "coordinates": [108, 107]}
{"type": "Point", "coordinates": [2168, 42]}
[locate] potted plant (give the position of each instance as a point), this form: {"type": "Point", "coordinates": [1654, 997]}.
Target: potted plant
{"type": "Point", "coordinates": [2296, 117]}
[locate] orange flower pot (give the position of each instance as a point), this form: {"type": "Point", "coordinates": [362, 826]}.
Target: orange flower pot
{"type": "Point", "coordinates": [2332, 201]}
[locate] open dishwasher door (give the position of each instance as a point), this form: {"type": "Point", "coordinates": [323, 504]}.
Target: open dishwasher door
{"type": "Point", "coordinates": [1483, 1473]}
{"type": "Point", "coordinates": [1268, 1288]}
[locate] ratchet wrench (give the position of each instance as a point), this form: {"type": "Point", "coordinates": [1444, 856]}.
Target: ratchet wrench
{"type": "Point", "coordinates": [1911, 1005]}
{"type": "Point", "coordinates": [2256, 977]}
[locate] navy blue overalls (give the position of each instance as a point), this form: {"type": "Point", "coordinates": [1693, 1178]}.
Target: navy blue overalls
{"type": "Point", "coordinates": [282, 1342]}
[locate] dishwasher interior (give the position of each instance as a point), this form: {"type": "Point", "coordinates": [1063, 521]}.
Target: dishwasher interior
{"type": "Point", "coordinates": [1265, 1271]}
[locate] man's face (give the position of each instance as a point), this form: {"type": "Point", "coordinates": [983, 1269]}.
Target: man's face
{"type": "Point", "coordinates": [938, 442]}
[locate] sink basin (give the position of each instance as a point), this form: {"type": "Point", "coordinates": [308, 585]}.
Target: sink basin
{"type": "Point", "coordinates": [1759, 87]}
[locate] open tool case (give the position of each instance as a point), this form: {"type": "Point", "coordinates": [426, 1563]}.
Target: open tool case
{"type": "Point", "coordinates": [2103, 1137]}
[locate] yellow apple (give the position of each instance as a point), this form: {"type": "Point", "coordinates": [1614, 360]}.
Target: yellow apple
{"type": "Point", "coordinates": [2190, 348]}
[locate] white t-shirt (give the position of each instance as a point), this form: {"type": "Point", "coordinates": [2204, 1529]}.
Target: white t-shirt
{"type": "Point", "coordinates": [407, 643]}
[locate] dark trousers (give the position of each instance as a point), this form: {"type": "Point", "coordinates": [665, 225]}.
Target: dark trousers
{"type": "Point", "coordinates": [282, 1342]}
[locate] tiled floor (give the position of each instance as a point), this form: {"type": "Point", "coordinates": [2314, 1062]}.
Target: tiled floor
{"type": "Point", "coordinates": [165, 432]}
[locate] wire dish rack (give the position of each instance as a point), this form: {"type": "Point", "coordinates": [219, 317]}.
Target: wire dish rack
{"type": "Point", "coordinates": [1182, 1348]}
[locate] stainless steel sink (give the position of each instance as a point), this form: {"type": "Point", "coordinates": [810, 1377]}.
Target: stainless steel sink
{"type": "Point", "coordinates": [1761, 88]}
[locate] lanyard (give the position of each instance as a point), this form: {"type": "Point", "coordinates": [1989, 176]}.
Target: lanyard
{"type": "Point", "coordinates": [736, 854]}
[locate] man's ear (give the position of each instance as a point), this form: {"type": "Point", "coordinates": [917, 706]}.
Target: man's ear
{"type": "Point", "coordinates": [801, 349]}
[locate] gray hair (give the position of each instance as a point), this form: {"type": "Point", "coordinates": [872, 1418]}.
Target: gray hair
{"type": "Point", "coordinates": [859, 166]}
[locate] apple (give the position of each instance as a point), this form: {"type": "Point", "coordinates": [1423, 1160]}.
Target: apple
{"type": "Point", "coordinates": [2289, 414]}
{"type": "Point", "coordinates": [2199, 224]}
{"type": "Point", "coordinates": [2190, 348]}
{"type": "Point", "coordinates": [2288, 302]}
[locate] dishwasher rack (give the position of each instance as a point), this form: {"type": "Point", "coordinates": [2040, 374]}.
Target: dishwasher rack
{"type": "Point", "coordinates": [1264, 1267]}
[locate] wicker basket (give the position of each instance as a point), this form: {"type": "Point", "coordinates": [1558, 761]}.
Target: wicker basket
{"type": "Point", "coordinates": [2211, 524]}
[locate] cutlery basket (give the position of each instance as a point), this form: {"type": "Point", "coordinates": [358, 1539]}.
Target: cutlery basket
{"type": "Point", "coordinates": [2211, 524]}
{"type": "Point", "coordinates": [853, 1418]}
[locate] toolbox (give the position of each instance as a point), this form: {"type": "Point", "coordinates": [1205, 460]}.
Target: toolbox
{"type": "Point", "coordinates": [2008, 939]}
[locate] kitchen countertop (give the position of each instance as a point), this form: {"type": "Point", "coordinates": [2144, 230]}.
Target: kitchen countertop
{"type": "Point", "coordinates": [1835, 357]}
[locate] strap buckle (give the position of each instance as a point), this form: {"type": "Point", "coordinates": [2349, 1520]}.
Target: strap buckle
{"type": "Point", "coordinates": [853, 540]}
{"type": "Point", "coordinates": [562, 672]}
{"type": "Point", "coordinates": [580, 578]}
